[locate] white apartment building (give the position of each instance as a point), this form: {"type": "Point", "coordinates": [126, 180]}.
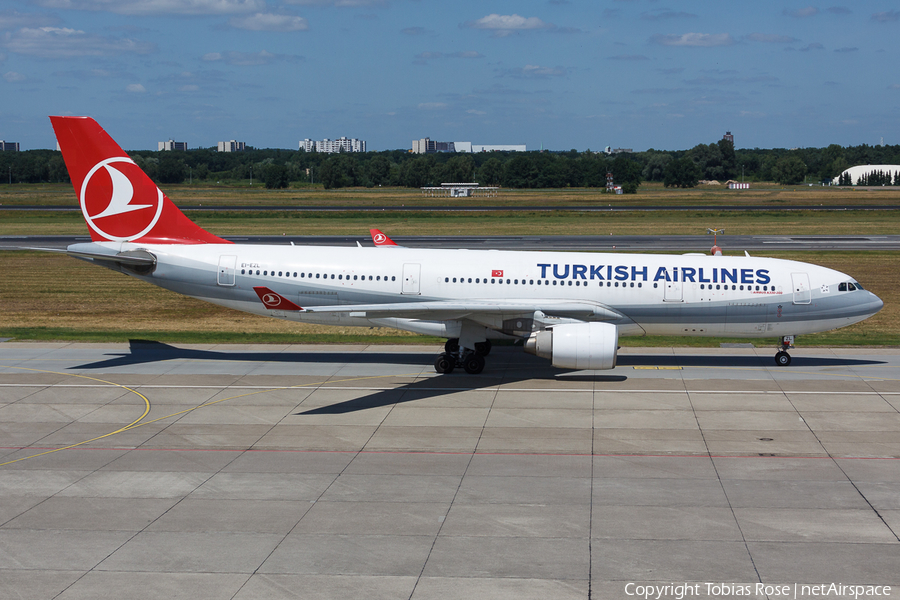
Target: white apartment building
{"type": "Point", "coordinates": [172, 145]}
{"type": "Point", "coordinates": [232, 146]}
{"type": "Point", "coordinates": [342, 144]}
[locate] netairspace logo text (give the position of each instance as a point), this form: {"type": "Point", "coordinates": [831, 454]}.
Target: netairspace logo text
{"type": "Point", "coordinates": [680, 591]}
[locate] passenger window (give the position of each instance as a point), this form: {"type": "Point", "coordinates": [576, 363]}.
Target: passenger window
{"type": "Point", "coordinates": [470, 280]}
{"type": "Point", "coordinates": [454, 280]}
{"type": "Point", "coordinates": [632, 284]}
{"type": "Point", "coordinates": [394, 278]}
{"type": "Point", "coordinates": [242, 271]}
{"type": "Point", "coordinates": [530, 281]}
{"type": "Point", "coordinates": [655, 285]}
{"type": "Point", "coordinates": [317, 275]}
{"type": "Point", "coordinates": [446, 280]}
{"type": "Point", "coordinates": [554, 282]}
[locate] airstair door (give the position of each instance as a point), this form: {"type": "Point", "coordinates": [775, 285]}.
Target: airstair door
{"type": "Point", "coordinates": [674, 292]}
{"type": "Point", "coordinates": [800, 283]}
{"type": "Point", "coordinates": [411, 273]}
{"type": "Point", "coordinates": [226, 270]}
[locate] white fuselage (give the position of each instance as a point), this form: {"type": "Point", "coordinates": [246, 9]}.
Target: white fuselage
{"type": "Point", "coordinates": [692, 294]}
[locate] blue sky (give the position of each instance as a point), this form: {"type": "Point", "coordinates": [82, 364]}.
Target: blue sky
{"type": "Point", "coordinates": [563, 73]}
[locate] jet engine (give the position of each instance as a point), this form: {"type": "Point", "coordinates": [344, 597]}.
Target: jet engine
{"type": "Point", "coordinates": [577, 345]}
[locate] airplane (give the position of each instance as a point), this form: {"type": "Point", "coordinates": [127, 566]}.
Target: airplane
{"type": "Point", "coordinates": [568, 307]}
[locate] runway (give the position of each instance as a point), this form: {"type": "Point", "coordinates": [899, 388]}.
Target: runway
{"type": "Point", "coordinates": [732, 244]}
{"type": "Point", "coordinates": [296, 471]}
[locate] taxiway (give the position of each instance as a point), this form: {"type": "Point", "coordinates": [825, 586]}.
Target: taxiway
{"type": "Point", "coordinates": [149, 470]}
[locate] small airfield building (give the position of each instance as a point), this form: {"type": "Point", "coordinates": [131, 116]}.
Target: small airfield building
{"type": "Point", "coordinates": [860, 171]}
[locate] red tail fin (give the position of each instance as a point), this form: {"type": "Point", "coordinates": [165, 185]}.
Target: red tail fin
{"type": "Point", "coordinates": [118, 201]}
{"type": "Point", "coordinates": [380, 239]}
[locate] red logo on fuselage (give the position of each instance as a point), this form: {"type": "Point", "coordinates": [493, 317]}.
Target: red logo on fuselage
{"type": "Point", "coordinates": [119, 201]}
{"type": "Point", "coordinates": [271, 300]}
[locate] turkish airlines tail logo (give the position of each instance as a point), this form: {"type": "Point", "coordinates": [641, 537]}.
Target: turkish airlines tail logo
{"type": "Point", "coordinates": [118, 201]}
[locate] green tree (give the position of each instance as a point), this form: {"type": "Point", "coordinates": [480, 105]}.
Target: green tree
{"type": "Point", "coordinates": [683, 173]}
{"type": "Point", "coordinates": [171, 169]}
{"type": "Point", "coordinates": [789, 170]}
{"type": "Point", "coordinates": [490, 172]}
{"type": "Point", "coordinates": [338, 171]}
{"type": "Point", "coordinates": [626, 173]}
{"type": "Point", "coordinates": [275, 176]}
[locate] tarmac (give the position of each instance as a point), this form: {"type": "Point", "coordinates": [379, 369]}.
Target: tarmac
{"type": "Point", "coordinates": [298, 471]}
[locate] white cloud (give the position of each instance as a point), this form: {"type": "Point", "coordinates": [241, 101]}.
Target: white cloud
{"type": "Point", "coordinates": [535, 72]}
{"type": "Point", "coordinates": [503, 25]}
{"type": "Point", "coordinates": [770, 38]}
{"type": "Point", "coordinates": [249, 59]}
{"type": "Point", "coordinates": [887, 17]}
{"type": "Point", "coordinates": [628, 57]}
{"type": "Point", "coordinates": [801, 13]}
{"type": "Point", "coordinates": [432, 106]}
{"type": "Point", "coordinates": [160, 7]}
{"type": "Point", "coordinates": [13, 77]}
{"type": "Point", "coordinates": [701, 40]}
{"type": "Point", "coordinates": [55, 42]}
{"type": "Point", "coordinates": [189, 88]}
{"type": "Point", "coordinates": [269, 22]}
{"type": "Point", "coordinates": [135, 88]}
{"type": "Point", "coordinates": [472, 111]}
{"type": "Point", "coordinates": [665, 14]}
{"type": "Point", "coordinates": [339, 3]}
{"type": "Point", "coordinates": [13, 19]}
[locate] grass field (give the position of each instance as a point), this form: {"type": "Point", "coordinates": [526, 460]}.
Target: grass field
{"type": "Point", "coordinates": [49, 296]}
{"type": "Point", "coordinates": [649, 194]}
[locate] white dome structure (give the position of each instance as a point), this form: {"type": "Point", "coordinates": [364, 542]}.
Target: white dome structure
{"type": "Point", "coordinates": [860, 170]}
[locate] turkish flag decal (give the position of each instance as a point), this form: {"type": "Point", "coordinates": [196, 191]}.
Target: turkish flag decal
{"type": "Point", "coordinates": [497, 273]}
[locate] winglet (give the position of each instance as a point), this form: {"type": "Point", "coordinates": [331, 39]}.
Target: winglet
{"type": "Point", "coordinates": [273, 300]}
{"type": "Point", "coordinates": [381, 239]}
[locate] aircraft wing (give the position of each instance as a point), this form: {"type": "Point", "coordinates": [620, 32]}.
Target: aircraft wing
{"type": "Point", "coordinates": [442, 310]}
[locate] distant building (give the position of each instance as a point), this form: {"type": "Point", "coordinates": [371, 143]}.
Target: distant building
{"type": "Point", "coordinates": [429, 146]}
{"type": "Point", "coordinates": [860, 171]}
{"type": "Point", "coordinates": [172, 145]}
{"type": "Point", "coordinates": [498, 148]}
{"type": "Point", "coordinates": [9, 146]}
{"type": "Point", "coordinates": [609, 150]}
{"type": "Point", "coordinates": [728, 137]}
{"type": "Point", "coordinates": [232, 146]}
{"type": "Point", "coordinates": [342, 144]}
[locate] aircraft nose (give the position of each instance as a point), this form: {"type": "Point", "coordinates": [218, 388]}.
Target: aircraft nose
{"type": "Point", "coordinates": [876, 303]}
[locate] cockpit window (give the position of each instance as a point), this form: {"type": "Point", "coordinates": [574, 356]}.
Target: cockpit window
{"type": "Point", "coordinates": [859, 287]}
{"type": "Point", "coordinates": [842, 287]}
{"type": "Point", "coordinates": [850, 287]}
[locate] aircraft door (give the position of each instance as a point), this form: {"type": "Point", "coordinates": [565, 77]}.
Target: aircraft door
{"type": "Point", "coordinates": [800, 284]}
{"type": "Point", "coordinates": [673, 292]}
{"type": "Point", "coordinates": [411, 273]}
{"type": "Point", "coordinates": [227, 265]}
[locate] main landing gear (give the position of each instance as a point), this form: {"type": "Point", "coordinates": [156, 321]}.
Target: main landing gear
{"type": "Point", "coordinates": [782, 358]}
{"type": "Point", "coordinates": [454, 356]}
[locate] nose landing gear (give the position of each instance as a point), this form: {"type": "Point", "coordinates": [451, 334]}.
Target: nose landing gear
{"type": "Point", "coordinates": [782, 358]}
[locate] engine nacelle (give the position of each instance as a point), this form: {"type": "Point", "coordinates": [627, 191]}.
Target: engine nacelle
{"type": "Point", "coordinates": [577, 345]}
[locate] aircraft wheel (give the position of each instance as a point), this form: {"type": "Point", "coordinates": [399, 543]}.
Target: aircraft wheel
{"type": "Point", "coordinates": [444, 363]}
{"type": "Point", "coordinates": [473, 364]}
{"type": "Point", "coordinates": [452, 345]}
{"type": "Point", "coordinates": [483, 348]}
{"type": "Point", "coordinates": [782, 359]}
